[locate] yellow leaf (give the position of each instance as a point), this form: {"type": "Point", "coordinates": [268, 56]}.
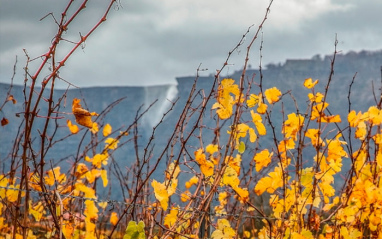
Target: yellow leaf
{"type": "Point", "coordinates": [161, 193]}
{"type": "Point", "coordinates": [68, 230]}
{"type": "Point", "coordinates": [272, 95]}
{"type": "Point", "coordinates": [243, 194]}
{"type": "Point", "coordinates": [230, 177]}
{"type": "Point", "coordinates": [206, 166]}
{"type": "Point", "coordinates": [224, 230]}
{"type": "Point", "coordinates": [315, 98]}
{"type": "Point", "coordinates": [81, 170]}
{"type": "Point", "coordinates": [104, 177]}
{"type": "Point", "coordinates": [36, 211]}
{"type": "Point", "coordinates": [270, 183]}
{"type": "Point", "coordinates": [92, 175]}
{"type": "Point", "coordinates": [212, 148]}
{"type": "Point", "coordinates": [262, 108]}
{"type": "Point", "coordinates": [89, 192]}
{"type": "Point", "coordinates": [258, 121]}
{"type": "Point", "coordinates": [72, 127]}
{"type": "Point", "coordinates": [224, 111]}
{"type": "Point", "coordinates": [3, 183]}
{"type": "Point", "coordinates": [172, 171]}
{"type": "Point", "coordinates": [98, 159]}
{"type": "Point", "coordinates": [252, 135]}
{"type": "Point", "coordinates": [184, 197]}
{"type": "Point", "coordinates": [262, 159]}
{"type": "Point", "coordinates": [106, 130]}
{"type": "Point", "coordinates": [253, 100]}
{"type": "Point", "coordinates": [292, 125]}
{"type": "Point", "coordinates": [113, 218]}
{"type": "Point", "coordinates": [111, 143]}
{"type": "Point", "coordinates": [192, 181]}
{"type": "Point", "coordinates": [308, 83]}
{"type": "Point", "coordinates": [171, 218]}
{"type": "Point", "coordinates": [83, 117]}
{"type": "Point", "coordinates": [91, 211]}
{"type": "Point", "coordinates": [331, 119]}
{"type": "Point", "coordinates": [54, 175]}
{"type": "Point", "coordinates": [94, 128]}
{"type": "Point", "coordinates": [361, 131]}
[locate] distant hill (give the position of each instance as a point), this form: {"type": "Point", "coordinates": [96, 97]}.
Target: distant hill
{"type": "Point", "coordinates": [365, 65]}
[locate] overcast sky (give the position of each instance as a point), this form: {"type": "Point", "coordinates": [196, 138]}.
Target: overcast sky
{"type": "Point", "coordinates": [147, 42]}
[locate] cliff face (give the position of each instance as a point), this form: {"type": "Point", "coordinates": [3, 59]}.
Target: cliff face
{"type": "Point", "coordinates": [287, 77]}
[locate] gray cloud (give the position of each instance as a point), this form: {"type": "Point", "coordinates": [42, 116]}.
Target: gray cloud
{"type": "Point", "coordinates": [152, 42]}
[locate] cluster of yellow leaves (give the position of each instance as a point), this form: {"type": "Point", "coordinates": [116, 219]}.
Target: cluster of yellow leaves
{"type": "Point", "coordinates": [231, 177]}
{"type": "Point", "coordinates": [220, 209]}
{"type": "Point", "coordinates": [292, 126]}
{"type": "Point", "coordinates": [228, 96]}
{"type": "Point", "coordinates": [223, 230]}
{"type": "Point", "coordinates": [206, 166]}
{"type": "Point", "coordinates": [270, 183]}
{"type": "Point", "coordinates": [257, 100]}
{"type": "Point", "coordinates": [164, 190]}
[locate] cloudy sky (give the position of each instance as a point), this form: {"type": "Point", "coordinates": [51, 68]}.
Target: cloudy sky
{"type": "Point", "coordinates": [146, 42]}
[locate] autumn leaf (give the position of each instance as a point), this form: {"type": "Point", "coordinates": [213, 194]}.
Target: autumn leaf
{"type": "Point", "coordinates": [243, 194]}
{"type": "Point", "coordinates": [111, 143]}
{"type": "Point", "coordinates": [292, 125]}
{"type": "Point", "coordinates": [3, 184]}
{"type": "Point", "coordinates": [89, 192]}
{"type": "Point", "coordinates": [225, 100]}
{"type": "Point", "coordinates": [12, 193]}
{"type": "Point", "coordinates": [161, 193]}
{"type": "Point", "coordinates": [92, 175]}
{"type": "Point", "coordinates": [270, 183]}
{"type": "Point", "coordinates": [172, 171]}
{"type": "Point", "coordinates": [135, 231]}
{"type": "Point", "coordinates": [192, 181]}
{"type": "Point", "coordinates": [315, 98]}
{"type": "Point", "coordinates": [223, 111]}
{"type": "Point", "coordinates": [185, 196]}
{"type": "Point", "coordinates": [72, 127]}
{"type": "Point", "coordinates": [104, 177]}
{"type": "Point", "coordinates": [258, 121]}
{"type": "Point", "coordinates": [171, 218]}
{"type": "Point", "coordinates": [83, 117]}
{"type": "Point", "coordinates": [212, 148]}
{"type": "Point", "coordinates": [206, 166]}
{"type": "Point", "coordinates": [4, 121]}
{"type": "Point", "coordinates": [230, 177]}
{"type": "Point", "coordinates": [91, 210]}
{"type": "Point", "coordinates": [106, 130]}
{"type": "Point", "coordinates": [36, 211]}
{"type": "Point", "coordinates": [11, 98]}
{"type": "Point", "coordinates": [54, 175]}
{"type": "Point", "coordinates": [262, 159]}
{"type": "Point", "coordinates": [272, 95]}
{"type": "Point", "coordinates": [308, 83]}
{"type": "Point", "coordinates": [241, 148]}
{"type": "Point", "coordinates": [68, 230]}
{"type": "Point", "coordinates": [224, 230]}
{"type": "Point", "coordinates": [98, 159]}
{"type": "Point", "coordinates": [113, 218]}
